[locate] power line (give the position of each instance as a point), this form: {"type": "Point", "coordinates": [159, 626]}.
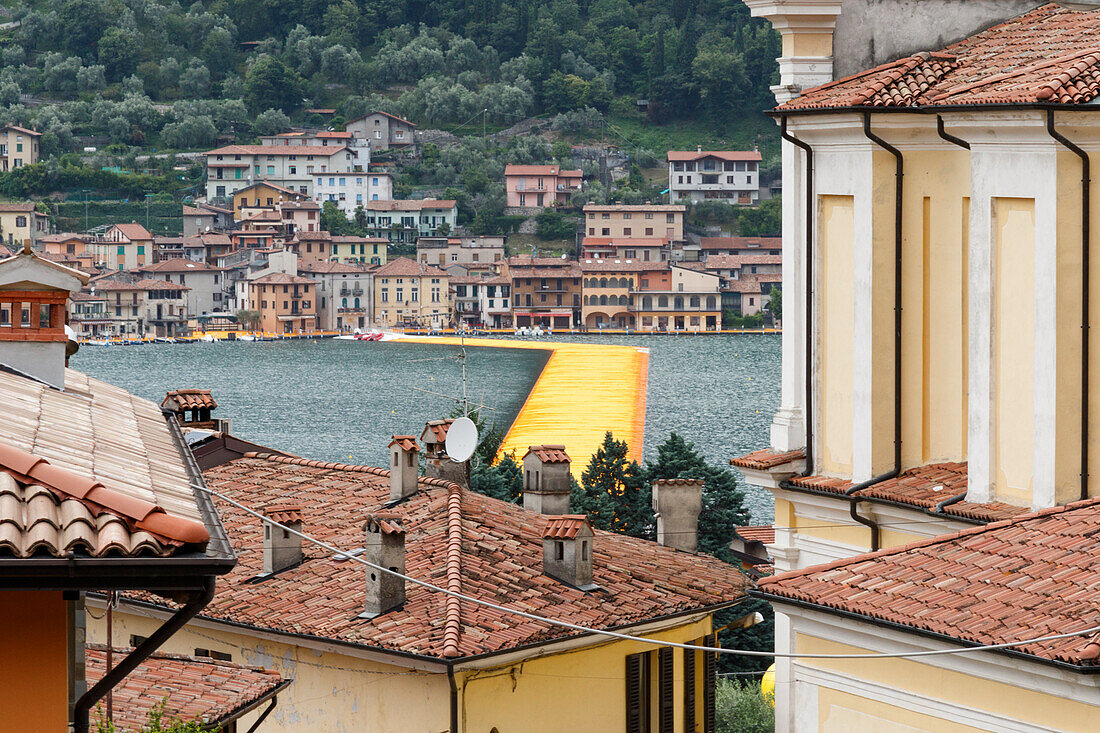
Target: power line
{"type": "Point", "coordinates": [630, 637]}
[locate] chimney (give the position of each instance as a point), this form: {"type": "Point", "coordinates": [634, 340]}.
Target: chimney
{"type": "Point", "coordinates": [567, 550]}
{"type": "Point", "coordinates": [282, 549]}
{"type": "Point", "coordinates": [546, 479]}
{"type": "Point", "coordinates": [192, 409]}
{"type": "Point", "coordinates": [385, 546]}
{"type": "Point", "coordinates": [403, 466]}
{"type": "Point", "coordinates": [698, 148]}
{"type": "Point", "coordinates": [676, 506]}
{"type": "Point", "coordinates": [438, 463]}
{"type": "Point", "coordinates": [33, 313]}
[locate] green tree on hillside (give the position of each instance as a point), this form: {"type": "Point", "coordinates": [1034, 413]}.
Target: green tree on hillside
{"type": "Point", "coordinates": [613, 491]}
{"type": "Point", "coordinates": [271, 83]}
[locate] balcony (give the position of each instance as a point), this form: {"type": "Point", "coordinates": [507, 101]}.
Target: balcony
{"type": "Point", "coordinates": [351, 310]}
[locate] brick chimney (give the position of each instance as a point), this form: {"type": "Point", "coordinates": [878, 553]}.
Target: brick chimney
{"type": "Point", "coordinates": [282, 549]}
{"type": "Point", "coordinates": [385, 546]}
{"type": "Point", "coordinates": [33, 312]}
{"type": "Point", "coordinates": [567, 549]}
{"type": "Point", "coordinates": [403, 466]}
{"type": "Point", "coordinates": [676, 506]}
{"type": "Point", "coordinates": [546, 479]}
{"type": "Point", "coordinates": [438, 463]}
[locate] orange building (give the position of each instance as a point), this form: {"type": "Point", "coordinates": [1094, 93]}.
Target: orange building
{"type": "Point", "coordinates": [286, 302]}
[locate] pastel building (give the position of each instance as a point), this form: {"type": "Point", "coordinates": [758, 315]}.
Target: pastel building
{"type": "Point", "coordinates": [539, 186]}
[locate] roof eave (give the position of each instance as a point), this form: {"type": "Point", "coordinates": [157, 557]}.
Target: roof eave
{"type": "Point", "coordinates": [773, 599]}
{"type": "Point", "coordinates": [930, 109]}
{"type": "Point", "coordinates": [153, 573]}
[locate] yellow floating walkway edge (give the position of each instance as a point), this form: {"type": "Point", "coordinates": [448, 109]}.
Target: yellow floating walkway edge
{"type": "Point", "coordinates": [583, 391]}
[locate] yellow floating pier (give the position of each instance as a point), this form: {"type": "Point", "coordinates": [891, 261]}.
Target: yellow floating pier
{"type": "Point", "coordinates": [583, 391]}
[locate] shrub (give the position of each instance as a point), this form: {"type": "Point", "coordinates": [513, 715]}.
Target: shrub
{"type": "Point", "coordinates": [740, 707]}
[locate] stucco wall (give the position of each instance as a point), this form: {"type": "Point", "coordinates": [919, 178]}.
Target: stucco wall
{"type": "Point", "coordinates": [872, 32]}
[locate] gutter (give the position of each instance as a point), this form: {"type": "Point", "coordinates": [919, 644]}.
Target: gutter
{"type": "Point", "coordinates": [773, 599]}
{"type": "Point", "coordinates": [113, 677]}
{"type": "Point", "coordinates": [808, 415]}
{"type": "Point", "coordinates": [1086, 225]}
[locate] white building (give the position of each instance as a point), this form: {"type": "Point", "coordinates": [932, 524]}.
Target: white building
{"type": "Point", "coordinates": [352, 190]}
{"type": "Point", "coordinates": [731, 176]}
{"type": "Point", "coordinates": [206, 286]}
{"type": "Point", "coordinates": [234, 167]}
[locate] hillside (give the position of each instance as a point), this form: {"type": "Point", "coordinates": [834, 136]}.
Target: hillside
{"type": "Point", "coordinates": [149, 74]}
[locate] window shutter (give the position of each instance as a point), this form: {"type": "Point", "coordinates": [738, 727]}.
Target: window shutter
{"type": "Point", "coordinates": [710, 668]}
{"type": "Point", "coordinates": [689, 690]}
{"type": "Point", "coordinates": [666, 683]}
{"type": "Point", "coordinates": [634, 694]}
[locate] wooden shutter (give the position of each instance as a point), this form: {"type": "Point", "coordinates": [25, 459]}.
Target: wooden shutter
{"type": "Point", "coordinates": [666, 686]}
{"type": "Point", "coordinates": [689, 690]}
{"type": "Point", "coordinates": [634, 697]}
{"type": "Point", "coordinates": [710, 668]}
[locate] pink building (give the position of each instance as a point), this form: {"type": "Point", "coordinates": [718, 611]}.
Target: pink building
{"type": "Point", "coordinates": [540, 185]}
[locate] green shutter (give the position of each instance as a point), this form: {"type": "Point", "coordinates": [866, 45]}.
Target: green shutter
{"type": "Point", "coordinates": [666, 686]}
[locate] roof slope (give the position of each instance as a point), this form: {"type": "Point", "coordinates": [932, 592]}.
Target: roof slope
{"type": "Point", "coordinates": [404, 267]}
{"type": "Point", "coordinates": [205, 690]}
{"type": "Point", "coordinates": [1028, 577]}
{"type": "Point", "coordinates": [458, 539]}
{"type": "Point", "coordinates": [100, 431]}
{"type": "Point", "coordinates": [1047, 56]}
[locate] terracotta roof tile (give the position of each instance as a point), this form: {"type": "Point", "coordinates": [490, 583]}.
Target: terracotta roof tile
{"type": "Point", "coordinates": [565, 526]}
{"type": "Point", "coordinates": [284, 512]}
{"type": "Point", "coordinates": [102, 433]}
{"type": "Point", "coordinates": [733, 155]}
{"type": "Point", "coordinates": [922, 487]}
{"type": "Point", "coordinates": [759, 533]}
{"type": "Point", "coordinates": [406, 442]}
{"type": "Point", "coordinates": [549, 453]}
{"type": "Point", "coordinates": [722, 243]}
{"type": "Point", "coordinates": [404, 267]}
{"type": "Point", "coordinates": [1048, 55]}
{"type": "Point", "coordinates": [410, 204]}
{"type": "Point", "coordinates": [45, 509]}
{"type": "Point", "coordinates": [211, 692]}
{"type": "Point", "coordinates": [436, 430]}
{"type": "Point", "coordinates": [461, 540]}
{"type": "Point", "coordinates": [188, 399]}
{"type": "Point", "coordinates": [736, 262]}
{"type": "Point", "coordinates": [762, 460]}
{"type": "Point", "coordinates": [133, 230]}
{"type": "Point", "coordinates": [1030, 576]}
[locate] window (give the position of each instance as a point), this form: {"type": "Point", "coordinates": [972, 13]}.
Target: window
{"type": "Point", "coordinates": [670, 218]}
{"type": "Point", "coordinates": [271, 170]}
{"type": "Point", "coordinates": [626, 231]}
{"type": "Point", "coordinates": [293, 170]}
{"type": "Point", "coordinates": [606, 232]}
{"type": "Point", "coordinates": [20, 221]}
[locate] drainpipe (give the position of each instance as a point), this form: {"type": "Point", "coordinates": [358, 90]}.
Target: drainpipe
{"type": "Point", "coordinates": [937, 511]}
{"type": "Point", "coordinates": [949, 137]}
{"type": "Point", "coordinates": [899, 209]}
{"type": "Point", "coordinates": [142, 652]}
{"type": "Point", "coordinates": [454, 698]}
{"type": "Point", "coordinates": [1086, 224]}
{"type": "Point", "coordinates": [807, 410]}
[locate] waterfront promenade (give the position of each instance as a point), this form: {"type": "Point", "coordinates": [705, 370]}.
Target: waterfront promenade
{"type": "Point", "coordinates": [583, 391]}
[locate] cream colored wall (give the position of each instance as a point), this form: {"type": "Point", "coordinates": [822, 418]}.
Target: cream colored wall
{"type": "Point", "coordinates": [934, 314]}
{"type": "Point", "coordinates": [1014, 343]}
{"type": "Point", "coordinates": [330, 692]}
{"type": "Point", "coordinates": [583, 690]}
{"type": "Point", "coordinates": [837, 298]}
{"type": "Point", "coordinates": [883, 216]}
{"type": "Point", "coordinates": [935, 684]}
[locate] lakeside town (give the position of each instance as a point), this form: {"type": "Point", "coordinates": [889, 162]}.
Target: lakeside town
{"type": "Point", "coordinates": [254, 255]}
{"type": "Point", "coordinates": [914, 224]}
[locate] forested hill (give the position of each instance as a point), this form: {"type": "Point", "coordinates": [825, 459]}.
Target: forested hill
{"type": "Point", "coordinates": [157, 73]}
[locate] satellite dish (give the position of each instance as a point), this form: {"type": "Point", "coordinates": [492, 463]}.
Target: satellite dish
{"type": "Point", "coordinates": [461, 440]}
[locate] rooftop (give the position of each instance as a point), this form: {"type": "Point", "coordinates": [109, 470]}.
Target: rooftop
{"type": "Point", "coordinates": [133, 230]}
{"type": "Point", "coordinates": [1046, 56]}
{"type": "Point", "coordinates": [541, 170]}
{"type": "Point", "coordinates": [1031, 576]}
{"type": "Point", "coordinates": [723, 243]}
{"type": "Point", "coordinates": [636, 207]}
{"type": "Point", "coordinates": [188, 399]}
{"type": "Point", "coordinates": [735, 262]}
{"type": "Point", "coordinates": [20, 207]}
{"type": "Point", "coordinates": [282, 150]}
{"type": "Point", "coordinates": [549, 453]}
{"type": "Point", "coordinates": [731, 155]}
{"type": "Point", "coordinates": [404, 267]}
{"type": "Point", "coordinates": [410, 204]}
{"type": "Point", "coordinates": [459, 539]}
{"type": "Point", "coordinates": [143, 284]}
{"type": "Point", "coordinates": [281, 278]}
{"type": "Point", "coordinates": [178, 264]}
{"type": "Point", "coordinates": [212, 692]}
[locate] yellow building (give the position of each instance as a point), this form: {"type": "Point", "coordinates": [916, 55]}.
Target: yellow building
{"type": "Point", "coordinates": [937, 381]}
{"type": "Point", "coordinates": [265, 195]}
{"type": "Point", "coordinates": [18, 147]}
{"type": "Point", "coordinates": [372, 652]}
{"type": "Point", "coordinates": [635, 221]}
{"type": "Point", "coordinates": [411, 293]}
{"type": "Point", "coordinates": [20, 223]}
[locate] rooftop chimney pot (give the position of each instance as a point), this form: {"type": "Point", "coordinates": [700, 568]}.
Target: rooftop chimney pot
{"type": "Point", "coordinates": [282, 549]}
{"type": "Point", "coordinates": [404, 466]}
{"type": "Point", "coordinates": [676, 506]}
{"type": "Point", "coordinates": [546, 479]}
{"type": "Point", "coordinates": [439, 464]}
{"type": "Point", "coordinates": [567, 545]}
{"type": "Point", "coordinates": [385, 547]}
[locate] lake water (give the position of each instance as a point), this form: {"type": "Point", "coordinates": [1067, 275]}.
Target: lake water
{"type": "Point", "coordinates": [341, 400]}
